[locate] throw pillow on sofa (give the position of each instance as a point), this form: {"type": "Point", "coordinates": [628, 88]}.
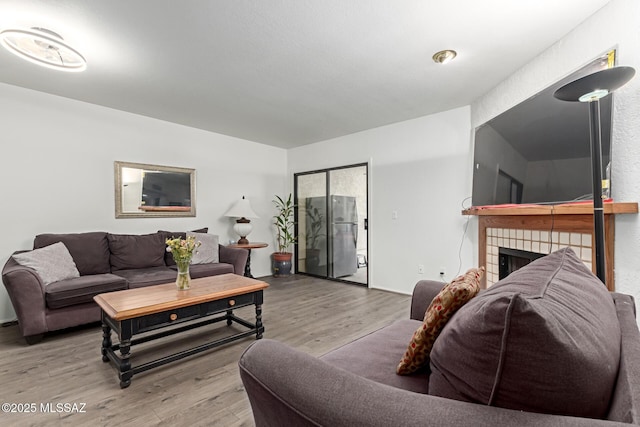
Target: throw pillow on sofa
{"type": "Point", "coordinates": [183, 234]}
{"type": "Point", "coordinates": [207, 252]}
{"type": "Point", "coordinates": [544, 339]}
{"type": "Point", "coordinates": [452, 296]}
{"type": "Point", "coordinates": [52, 263]}
{"type": "Point", "coordinates": [168, 258]}
{"type": "Point", "coordinates": [90, 251]}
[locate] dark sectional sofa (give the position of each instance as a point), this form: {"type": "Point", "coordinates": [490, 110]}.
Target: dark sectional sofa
{"type": "Point", "coordinates": [106, 262]}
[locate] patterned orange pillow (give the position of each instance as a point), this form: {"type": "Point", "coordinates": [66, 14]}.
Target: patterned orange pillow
{"type": "Point", "coordinates": [452, 296]}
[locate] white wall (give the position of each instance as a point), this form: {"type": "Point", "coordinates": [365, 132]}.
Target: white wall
{"type": "Point", "coordinates": [420, 168]}
{"type": "Point", "coordinates": [57, 173]}
{"type": "Point", "coordinates": [616, 25]}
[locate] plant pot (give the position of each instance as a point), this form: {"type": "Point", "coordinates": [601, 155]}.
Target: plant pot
{"type": "Point", "coordinates": [282, 264]}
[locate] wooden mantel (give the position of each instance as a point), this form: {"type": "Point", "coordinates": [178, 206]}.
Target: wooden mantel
{"type": "Point", "coordinates": [564, 218]}
{"type": "Point", "coordinates": [564, 209]}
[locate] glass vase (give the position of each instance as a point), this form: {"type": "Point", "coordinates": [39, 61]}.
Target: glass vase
{"type": "Point", "coordinates": [183, 281]}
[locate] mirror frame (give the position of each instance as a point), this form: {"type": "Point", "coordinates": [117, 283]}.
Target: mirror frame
{"type": "Point", "coordinates": [163, 212]}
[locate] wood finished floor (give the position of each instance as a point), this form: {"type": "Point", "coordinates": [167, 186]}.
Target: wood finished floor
{"type": "Point", "coordinates": [309, 314]}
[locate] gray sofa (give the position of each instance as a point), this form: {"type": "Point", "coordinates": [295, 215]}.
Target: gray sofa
{"type": "Point", "coordinates": [356, 385]}
{"type": "Point", "coordinates": [106, 262]}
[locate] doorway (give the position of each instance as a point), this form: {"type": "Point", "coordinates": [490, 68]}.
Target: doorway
{"type": "Point", "coordinates": [331, 223]}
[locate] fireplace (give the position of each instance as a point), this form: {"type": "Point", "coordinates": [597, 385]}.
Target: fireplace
{"type": "Point", "coordinates": [524, 245]}
{"type": "Point", "coordinates": [509, 260]}
{"type": "Point", "coordinates": [542, 229]}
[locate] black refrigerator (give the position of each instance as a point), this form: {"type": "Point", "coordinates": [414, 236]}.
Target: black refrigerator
{"type": "Point", "coordinates": [331, 238]}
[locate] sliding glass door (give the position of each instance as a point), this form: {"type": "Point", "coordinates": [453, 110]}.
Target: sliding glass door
{"type": "Point", "coordinates": [331, 223]}
{"type": "Point", "coordinates": [311, 220]}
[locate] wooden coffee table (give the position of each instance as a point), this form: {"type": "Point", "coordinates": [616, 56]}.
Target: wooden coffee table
{"type": "Point", "coordinates": [154, 308]}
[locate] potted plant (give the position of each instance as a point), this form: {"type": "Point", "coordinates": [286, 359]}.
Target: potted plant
{"type": "Point", "coordinates": [285, 236]}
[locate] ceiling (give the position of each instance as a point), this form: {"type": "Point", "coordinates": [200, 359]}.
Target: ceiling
{"type": "Point", "coordinates": [287, 72]}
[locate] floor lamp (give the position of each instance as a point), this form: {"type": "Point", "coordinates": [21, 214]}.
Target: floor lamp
{"type": "Point", "coordinates": [590, 89]}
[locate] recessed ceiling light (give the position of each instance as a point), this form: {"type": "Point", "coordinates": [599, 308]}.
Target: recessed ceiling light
{"type": "Point", "coordinates": [444, 56]}
{"type": "Point", "coordinates": [43, 47]}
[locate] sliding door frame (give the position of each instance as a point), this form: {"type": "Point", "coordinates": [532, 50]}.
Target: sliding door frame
{"type": "Point", "coordinates": [327, 172]}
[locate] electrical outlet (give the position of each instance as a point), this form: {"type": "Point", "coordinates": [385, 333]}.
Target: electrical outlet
{"type": "Point", "coordinates": [420, 269]}
{"type": "Point", "coordinates": [394, 215]}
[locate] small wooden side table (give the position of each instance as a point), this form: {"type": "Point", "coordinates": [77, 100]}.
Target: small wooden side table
{"type": "Point", "coordinates": [249, 246]}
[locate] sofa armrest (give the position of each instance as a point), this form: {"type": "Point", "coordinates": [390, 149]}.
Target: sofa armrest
{"type": "Point", "coordinates": [234, 256]}
{"type": "Point", "coordinates": [288, 387]}
{"type": "Point", "coordinates": [423, 293]}
{"type": "Point", "coordinates": [26, 292]}
{"type": "Point", "coordinates": [625, 404]}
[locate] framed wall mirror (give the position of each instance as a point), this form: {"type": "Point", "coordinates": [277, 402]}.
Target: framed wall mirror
{"type": "Point", "coordinates": [154, 191]}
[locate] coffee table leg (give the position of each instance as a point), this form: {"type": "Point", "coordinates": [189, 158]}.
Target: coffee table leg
{"type": "Point", "coordinates": [259, 327]}
{"type": "Point", "coordinates": [229, 314]}
{"type": "Point", "coordinates": [106, 341]}
{"type": "Point", "coordinates": [125, 363]}
{"type": "Point", "coordinates": [125, 373]}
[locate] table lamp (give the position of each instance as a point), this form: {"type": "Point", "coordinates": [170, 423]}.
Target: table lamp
{"type": "Point", "coordinates": [242, 210]}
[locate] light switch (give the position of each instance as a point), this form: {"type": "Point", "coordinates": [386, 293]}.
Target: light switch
{"type": "Point", "coordinates": [394, 215]}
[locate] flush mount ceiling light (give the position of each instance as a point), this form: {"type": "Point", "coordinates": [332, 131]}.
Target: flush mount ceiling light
{"type": "Point", "coordinates": [444, 56]}
{"type": "Point", "coordinates": [43, 47]}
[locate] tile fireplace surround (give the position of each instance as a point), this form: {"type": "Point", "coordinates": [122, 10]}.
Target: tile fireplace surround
{"type": "Point", "coordinates": [544, 229]}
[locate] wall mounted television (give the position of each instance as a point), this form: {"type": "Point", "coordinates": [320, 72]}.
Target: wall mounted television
{"type": "Point", "coordinates": [539, 151]}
